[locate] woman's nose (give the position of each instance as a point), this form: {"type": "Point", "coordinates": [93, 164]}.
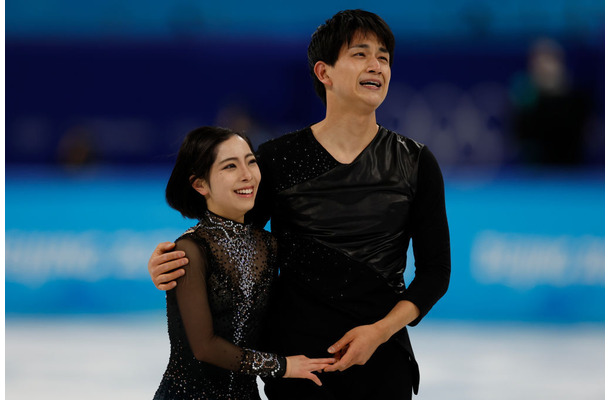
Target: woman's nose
{"type": "Point", "coordinates": [246, 174]}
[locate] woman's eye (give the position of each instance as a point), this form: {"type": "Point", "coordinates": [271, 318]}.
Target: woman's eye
{"type": "Point", "coordinates": [229, 166]}
{"type": "Point", "coordinates": [252, 161]}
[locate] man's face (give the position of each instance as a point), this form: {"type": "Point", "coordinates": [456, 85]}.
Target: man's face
{"type": "Point", "coordinates": [361, 75]}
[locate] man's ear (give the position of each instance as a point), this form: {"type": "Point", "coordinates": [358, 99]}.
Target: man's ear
{"type": "Point", "coordinates": [200, 185]}
{"type": "Point", "coordinates": [321, 71]}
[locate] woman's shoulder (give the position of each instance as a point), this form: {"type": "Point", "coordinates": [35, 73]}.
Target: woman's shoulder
{"type": "Point", "coordinates": [265, 237]}
{"type": "Point", "coordinates": [195, 234]}
{"type": "Point", "coordinates": [263, 233]}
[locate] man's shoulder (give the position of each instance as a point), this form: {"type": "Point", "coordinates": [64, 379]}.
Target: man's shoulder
{"type": "Point", "coordinates": [284, 141]}
{"type": "Point", "coordinates": [416, 152]}
{"type": "Point", "coordinates": [406, 142]}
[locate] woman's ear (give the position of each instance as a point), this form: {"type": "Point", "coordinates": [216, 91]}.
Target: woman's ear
{"type": "Point", "coordinates": [200, 185]}
{"type": "Point", "coordinates": [321, 71]}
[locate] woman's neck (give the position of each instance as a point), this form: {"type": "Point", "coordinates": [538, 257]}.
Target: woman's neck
{"type": "Point", "coordinates": [238, 217]}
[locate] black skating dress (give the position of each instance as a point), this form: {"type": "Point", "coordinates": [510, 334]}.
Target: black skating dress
{"type": "Point", "coordinates": [216, 312]}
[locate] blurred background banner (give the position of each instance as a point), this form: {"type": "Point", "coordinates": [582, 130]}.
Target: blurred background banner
{"type": "Point", "coordinates": [483, 83]}
{"type": "Point", "coordinates": [525, 247]}
{"type": "Point", "coordinates": [509, 96]}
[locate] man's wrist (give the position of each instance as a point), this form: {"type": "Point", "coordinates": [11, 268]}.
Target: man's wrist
{"type": "Point", "coordinates": [404, 313]}
{"type": "Point", "coordinates": [385, 332]}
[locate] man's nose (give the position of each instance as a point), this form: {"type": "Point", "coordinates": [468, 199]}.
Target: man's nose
{"type": "Point", "coordinates": [374, 65]}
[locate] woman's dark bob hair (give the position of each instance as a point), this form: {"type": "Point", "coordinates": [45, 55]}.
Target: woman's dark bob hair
{"type": "Point", "coordinates": [327, 40]}
{"type": "Point", "coordinates": [195, 159]}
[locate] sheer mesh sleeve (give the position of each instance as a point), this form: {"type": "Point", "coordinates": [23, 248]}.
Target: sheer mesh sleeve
{"type": "Point", "coordinates": [192, 298]}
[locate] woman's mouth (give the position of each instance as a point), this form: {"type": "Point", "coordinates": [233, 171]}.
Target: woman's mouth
{"type": "Point", "coordinates": [245, 191]}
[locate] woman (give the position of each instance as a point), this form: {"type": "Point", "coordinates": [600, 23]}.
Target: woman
{"type": "Point", "coordinates": [216, 310]}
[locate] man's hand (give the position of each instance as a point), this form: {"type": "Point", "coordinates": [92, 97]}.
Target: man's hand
{"type": "Point", "coordinates": [356, 347]}
{"type": "Point", "coordinates": [359, 344]}
{"type": "Point", "coordinates": [163, 263]}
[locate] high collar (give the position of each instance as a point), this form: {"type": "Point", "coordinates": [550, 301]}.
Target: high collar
{"type": "Point", "coordinates": [216, 221]}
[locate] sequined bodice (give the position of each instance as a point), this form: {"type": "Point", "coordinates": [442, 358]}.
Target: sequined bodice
{"type": "Point", "coordinates": [234, 275]}
{"type": "Point", "coordinates": [238, 268]}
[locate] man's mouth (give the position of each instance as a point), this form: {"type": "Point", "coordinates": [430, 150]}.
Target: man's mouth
{"type": "Point", "coordinates": [371, 84]}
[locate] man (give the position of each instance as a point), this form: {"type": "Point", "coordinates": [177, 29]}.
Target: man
{"type": "Point", "coordinates": [345, 196]}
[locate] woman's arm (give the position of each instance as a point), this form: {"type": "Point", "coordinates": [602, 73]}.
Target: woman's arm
{"type": "Point", "coordinates": [192, 298]}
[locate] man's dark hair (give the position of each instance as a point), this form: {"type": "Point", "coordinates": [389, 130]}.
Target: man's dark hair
{"type": "Point", "coordinates": [327, 40]}
{"type": "Point", "coordinates": [195, 159]}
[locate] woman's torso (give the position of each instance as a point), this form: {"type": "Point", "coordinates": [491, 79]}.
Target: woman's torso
{"type": "Point", "coordinates": [239, 274]}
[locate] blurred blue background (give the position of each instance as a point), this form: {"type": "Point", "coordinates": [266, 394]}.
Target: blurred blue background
{"type": "Point", "coordinates": [508, 95]}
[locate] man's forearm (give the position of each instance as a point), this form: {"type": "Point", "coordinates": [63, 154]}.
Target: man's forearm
{"type": "Point", "coordinates": [402, 314]}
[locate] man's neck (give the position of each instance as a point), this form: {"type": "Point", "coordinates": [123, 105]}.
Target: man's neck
{"type": "Point", "coordinates": [345, 136]}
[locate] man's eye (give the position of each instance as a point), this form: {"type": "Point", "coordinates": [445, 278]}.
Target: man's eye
{"type": "Point", "coordinates": [384, 59]}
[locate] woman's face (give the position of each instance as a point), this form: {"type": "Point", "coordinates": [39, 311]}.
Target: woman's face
{"type": "Point", "coordinates": [233, 181]}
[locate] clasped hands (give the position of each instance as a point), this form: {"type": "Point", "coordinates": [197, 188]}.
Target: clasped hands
{"type": "Point", "coordinates": [356, 347]}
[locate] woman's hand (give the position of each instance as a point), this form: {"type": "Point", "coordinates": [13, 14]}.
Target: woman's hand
{"type": "Point", "coordinates": [163, 263]}
{"type": "Point", "coordinates": [303, 367]}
